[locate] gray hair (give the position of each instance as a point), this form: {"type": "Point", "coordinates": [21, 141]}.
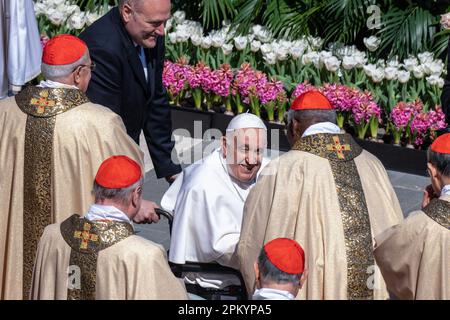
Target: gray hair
{"type": "Point", "coordinates": [441, 161]}
{"type": "Point", "coordinates": [308, 115]}
{"type": "Point", "coordinates": [119, 195]}
{"type": "Point", "coordinates": [271, 273]}
{"type": "Point", "coordinates": [55, 72]}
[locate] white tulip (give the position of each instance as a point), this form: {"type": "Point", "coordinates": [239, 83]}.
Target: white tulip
{"type": "Point", "coordinates": [393, 63]}
{"type": "Point", "coordinates": [435, 67]}
{"type": "Point", "coordinates": [91, 17]}
{"type": "Point", "coordinates": [403, 76]}
{"type": "Point", "coordinates": [69, 10]}
{"type": "Point", "coordinates": [315, 43]}
{"type": "Point", "coordinates": [266, 48]}
{"type": "Point", "coordinates": [77, 21]}
{"type": "Point", "coordinates": [435, 80]}
{"type": "Point", "coordinates": [173, 37]}
{"type": "Point", "coordinates": [217, 39]}
{"type": "Point", "coordinates": [297, 51]}
{"type": "Point", "coordinates": [369, 69]}
{"type": "Point", "coordinates": [390, 73]}
{"type": "Point", "coordinates": [196, 40]}
{"type": "Point", "coordinates": [410, 63]}
{"type": "Point", "coordinates": [425, 57]}
{"type": "Point", "coordinates": [40, 9]}
{"type": "Point", "coordinates": [418, 71]}
{"type": "Point", "coordinates": [206, 42]}
{"type": "Point", "coordinates": [179, 16]}
{"type": "Point", "coordinates": [349, 62]}
{"type": "Point", "coordinates": [227, 48]}
{"type": "Point", "coordinates": [360, 58]}
{"type": "Point", "coordinates": [240, 43]}
{"type": "Point", "coordinates": [183, 35]}
{"type": "Point", "coordinates": [282, 53]}
{"type": "Point", "coordinates": [332, 64]}
{"type": "Point", "coordinates": [311, 57]}
{"type": "Point", "coordinates": [381, 63]}
{"type": "Point", "coordinates": [255, 45]}
{"type": "Point", "coordinates": [169, 25]}
{"type": "Point", "coordinates": [56, 17]}
{"type": "Point", "coordinates": [378, 75]}
{"type": "Point", "coordinates": [270, 58]}
{"type": "Point", "coordinates": [262, 34]}
{"type": "Point", "coordinates": [372, 43]}
{"type": "Point", "coordinates": [325, 54]}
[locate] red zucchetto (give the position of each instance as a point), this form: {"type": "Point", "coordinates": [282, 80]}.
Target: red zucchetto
{"type": "Point", "coordinates": [286, 254]}
{"type": "Point", "coordinates": [63, 49]}
{"type": "Point", "coordinates": [441, 144]}
{"type": "Point", "coordinates": [118, 172]}
{"type": "Point", "coordinates": [311, 100]}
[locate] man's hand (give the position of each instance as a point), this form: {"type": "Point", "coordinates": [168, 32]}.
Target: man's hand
{"type": "Point", "coordinates": [428, 195]}
{"type": "Point", "coordinates": [147, 213]}
{"type": "Point", "coordinates": [171, 179]}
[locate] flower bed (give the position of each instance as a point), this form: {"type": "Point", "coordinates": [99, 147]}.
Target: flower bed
{"type": "Point", "coordinates": [411, 124]}
{"type": "Point", "coordinates": [393, 157]}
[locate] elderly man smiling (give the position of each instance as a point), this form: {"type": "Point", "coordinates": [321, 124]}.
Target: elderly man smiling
{"type": "Point", "coordinates": [208, 198]}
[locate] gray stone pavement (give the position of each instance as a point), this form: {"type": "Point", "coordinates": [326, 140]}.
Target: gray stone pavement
{"type": "Point", "coordinates": [408, 187]}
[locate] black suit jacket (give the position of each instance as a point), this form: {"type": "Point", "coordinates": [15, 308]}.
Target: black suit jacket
{"type": "Point", "coordinates": [118, 82]}
{"type": "Point", "coordinates": [445, 97]}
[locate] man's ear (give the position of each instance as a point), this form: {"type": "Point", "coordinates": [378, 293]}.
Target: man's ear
{"type": "Point", "coordinates": [224, 146]}
{"type": "Point", "coordinates": [136, 196]}
{"type": "Point", "coordinates": [126, 13]}
{"type": "Point", "coordinates": [296, 127]}
{"type": "Point", "coordinates": [77, 75]}
{"type": "Point", "coordinates": [433, 171]}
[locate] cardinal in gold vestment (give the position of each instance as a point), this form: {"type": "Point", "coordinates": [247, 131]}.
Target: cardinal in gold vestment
{"type": "Point", "coordinates": [327, 194]}
{"type": "Point", "coordinates": [98, 256]}
{"type": "Point", "coordinates": [414, 256]}
{"type": "Point", "coordinates": [52, 140]}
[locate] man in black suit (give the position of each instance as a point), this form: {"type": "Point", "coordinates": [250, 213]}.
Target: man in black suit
{"type": "Point", "coordinates": [127, 46]}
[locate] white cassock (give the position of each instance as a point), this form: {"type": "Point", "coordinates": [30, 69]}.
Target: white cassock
{"type": "Point", "coordinates": [20, 57]}
{"type": "Point", "coordinates": [207, 205]}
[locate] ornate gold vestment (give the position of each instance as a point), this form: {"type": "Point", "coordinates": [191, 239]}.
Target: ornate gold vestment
{"type": "Point", "coordinates": [42, 105]}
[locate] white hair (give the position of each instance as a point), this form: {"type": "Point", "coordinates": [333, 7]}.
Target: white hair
{"type": "Point", "coordinates": [55, 72]}
{"type": "Point", "coordinates": [118, 195]}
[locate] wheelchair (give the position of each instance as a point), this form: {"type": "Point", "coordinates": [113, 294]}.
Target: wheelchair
{"type": "Point", "coordinates": [232, 292]}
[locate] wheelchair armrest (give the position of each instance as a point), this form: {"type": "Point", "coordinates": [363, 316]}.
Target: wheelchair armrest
{"type": "Point", "coordinates": [166, 214]}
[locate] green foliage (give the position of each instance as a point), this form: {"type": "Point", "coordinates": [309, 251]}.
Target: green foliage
{"type": "Point", "coordinates": [408, 27]}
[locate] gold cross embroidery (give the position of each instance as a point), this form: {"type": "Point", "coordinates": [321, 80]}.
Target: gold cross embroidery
{"type": "Point", "coordinates": [42, 102]}
{"type": "Point", "coordinates": [85, 236]}
{"type": "Point", "coordinates": [338, 147]}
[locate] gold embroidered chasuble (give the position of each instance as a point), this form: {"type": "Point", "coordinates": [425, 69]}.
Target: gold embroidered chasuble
{"type": "Point", "coordinates": [86, 239]}
{"type": "Point", "coordinates": [51, 144]}
{"type": "Point", "coordinates": [414, 256]}
{"type": "Point", "coordinates": [332, 197]}
{"type": "Point", "coordinates": [41, 106]}
{"type": "Point", "coordinates": [85, 260]}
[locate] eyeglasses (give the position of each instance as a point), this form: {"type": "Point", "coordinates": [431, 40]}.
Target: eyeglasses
{"type": "Point", "coordinates": [91, 66]}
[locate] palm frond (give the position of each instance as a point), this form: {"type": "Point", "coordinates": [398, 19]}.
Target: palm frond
{"type": "Point", "coordinates": [408, 31]}
{"type": "Point", "coordinates": [214, 12]}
